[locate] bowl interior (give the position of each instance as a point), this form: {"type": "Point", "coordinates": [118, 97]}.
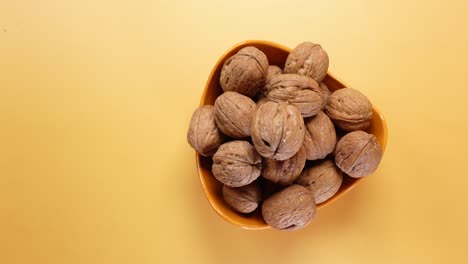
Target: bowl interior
{"type": "Point", "coordinates": [277, 55]}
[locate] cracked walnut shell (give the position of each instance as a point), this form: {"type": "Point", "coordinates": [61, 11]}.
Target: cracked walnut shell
{"type": "Point", "coordinates": [301, 91]}
{"type": "Point", "coordinates": [290, 209]}
{"type": "Point", "coordinates": [308, 59]}
{"type": "Point", "coordinates": [358, 154]}
{"type": "Point", "coordinates": [236, 163]}
{"type": "Point", "coordinates": [203, 135]}
{"type": "Point", "coordinates": [349, 109]}
{"type": "Point", "coordinates": [277, 130]}
{"type": "Point", "coordinates": [243, 199]}
{"type": "Point", "coordinates": [323, 180]}
{"type": "Point", "coordinates": [234, 113]}
{"type": "Point", "coordinates": [245, 72]}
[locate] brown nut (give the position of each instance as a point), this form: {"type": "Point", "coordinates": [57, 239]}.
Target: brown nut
{"type": "Point", "coordinates": [320, 136]}
{"type": "Point", "coordinates": [323, 180]}
{"type": "Point", "coordinates": [301, 91]}
{"type": "Point", "coordinates": [277, 130]}
{"type": "Point", "coordinates": [358, 154]}
{"type": "Point", "coordinates": [308, 59]}
{"type": "Point", "coordinates": [245, 72]}
{"type": "Point", "coordinates": [233, 114]}
{"type": "Point", "coordinates": [349, 109]}
{"type": "Point", "coordinates": [284, 172]}
{"type": "Point", "coordinates": [236, 163]}
{"type": "Point", "coordinates": [273, 70]}
{"type": "Point", "coordinates": [290, 209]}
{"type": "Point", "coordinates": [325, 94]}
{"type": "Point", "coordinates": [261, 102]}
{"type": "Point", "coordinates": [203, 135]}
{"type": "Point", "coordinates": [243, 199]}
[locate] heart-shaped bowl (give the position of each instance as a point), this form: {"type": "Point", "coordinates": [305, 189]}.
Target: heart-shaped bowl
{"type": "Point", "coordinates": [277, 55]}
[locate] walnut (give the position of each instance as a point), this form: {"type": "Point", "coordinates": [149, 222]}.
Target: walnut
{"type": "Point", "coordinates": [323, 180]}
{"type": "Point", "coordinates": [308, 59]}
{"type": "Point", "coordinates": [349, 109]}
{"type": "Point", "coordinates": [203, 135]}
{"type": "Point", "coordinates": [289, 209]}
{"type": "Point", "coordinates": [243, 199]}
{"type": "Point", "coordinates": [273, 70]}
{"type": "Point", "coordinates": [358, 154]}
{"type": "Point", "coordinates": [277, 130]}
{"type": "Point", "coordinates": [261, 102]}
{"type": "Point", "coordinates": [236, 163]}
{"type": "Point", "coordinates": [234, 113]}
{"type": "Point", "coordinates": [325, 94]}
{"type": "Point", "coordinates": [245, 72]}
{"type": "Point", "coordinates": [320, 136]}
{"type": "Point", "coordinates": [284, 172]}
{"type": "Point", "coordinates": [301, 91]}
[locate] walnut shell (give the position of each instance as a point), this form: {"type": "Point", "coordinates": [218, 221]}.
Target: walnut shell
{"type": "Point", "coordinates": [323, 180]}
{"type": "Point", "coordinates": [349, 109]}
{"type": "Point", "coordinates": [245, 72]}
{"type": "Point", "coordinates": [320, 136]}
{"type": "Point", "coordinates": [234, 113]}
{"type": "Point", "coordinates": [273, 70]}
{"type": "Point", "coordinates": [243, 199]}
{"type": "Point", "coordinates": [308, 59]}
{"type": "Point", "coordinates": [290, 209]}
{"type": "Point", "coordinates": [284, 172]}
{"type": "Point", "coordinates": [358, 154]}
{"type": "Point", "coordinates": [203, 135]}
{"type": "Point", "coordinates": [325, 94]}
{"type": "Point", "coordinates": [261, 102]}
{"type": "Point", "coordinates": [277, 130]}
{"type": "Point", "coordinates": [236, 163]}
{"type": "Point", "coordinates": [301, 91]}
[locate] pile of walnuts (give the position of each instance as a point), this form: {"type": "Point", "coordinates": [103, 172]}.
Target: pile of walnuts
{"type": "Point", "coordinates": [269, 122]}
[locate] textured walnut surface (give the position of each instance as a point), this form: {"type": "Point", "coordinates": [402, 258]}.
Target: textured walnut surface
{"type": "Point", "coordinates": [308, 59]}
{"type": "Point", "coordinates": [277, 130]}
{"type": "Point", "coordinates": [323, 180]}
{"type": "Point", "coordinates": [325, 94]}
{"type": "Point", "coordinates": [236, 163]}
{"type": "Point", "coordinates": [234, 113]}
{"type": "Point", "coordinates": [290, 209]}
{"type": "Point", "coordinates": [245, 72]}
{"type": "Point", "coordinates": [243, 199]}
{"type": "Point", "coordinates": [284, 172]}
{"type": "Point", "coordinates": [358, 154]}
{"type": "Point", "coordinates": [203, 134]}
{"type": "Point", "coordinates": [320, 136]}
{"type": "Point", "coordinates": [349, 109]}
{"type": "Point", "coordinates": [300, 91]}
{"type": "Point", "coordinates": [273, 70]}
{"type": "Point", "coordinates": [262, 101]}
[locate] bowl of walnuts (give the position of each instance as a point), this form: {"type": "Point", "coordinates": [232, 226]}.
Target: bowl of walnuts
{"type": "Point", "coordinates": [277, 136]}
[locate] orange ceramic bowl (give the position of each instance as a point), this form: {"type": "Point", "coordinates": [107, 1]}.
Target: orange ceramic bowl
{"type": "Point", "coordinates": [277, 55]}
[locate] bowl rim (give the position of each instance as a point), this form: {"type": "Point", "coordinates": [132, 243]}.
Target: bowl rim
{"type": "Point", "coordinates": [209, 195]}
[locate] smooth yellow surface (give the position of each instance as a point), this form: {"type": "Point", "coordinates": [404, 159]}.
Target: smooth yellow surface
{"type": "Point", "coordinates": [96, 97]}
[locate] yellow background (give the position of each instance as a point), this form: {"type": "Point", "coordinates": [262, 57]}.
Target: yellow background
{"type": "Point", "coordinates": [95, 101]}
